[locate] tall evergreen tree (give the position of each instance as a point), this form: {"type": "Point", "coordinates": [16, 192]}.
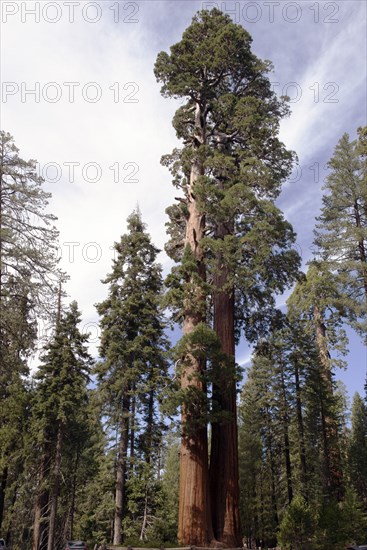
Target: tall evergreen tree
{"type": "Point", "coordinates": [259, 456]}
{"type": "Point", "coordinates": [341, 231]}
{"type": "Point", "coordinates": [60, 396]}
{"type": "Point", "coordinates": [27, 235]}
{"type": "Point", "coordinates": [27, 266]}
{"type": "Point", "coordinates": [358, 449]}
{"type": "Point", "coordinates": [132, 348]}
{"type": "Point", "coordinates": [317, 301]}
{"type": "Point", "coordinates": [230, 170]}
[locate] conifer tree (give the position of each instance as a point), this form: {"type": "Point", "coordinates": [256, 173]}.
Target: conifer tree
{"type": "Point", "coordinates": [60, 396]}
{"type": "Point", "coordinates": [261, 454]}
{"type": "Point", "coordinates": [341, 231]}
{"type": "Point", "coordinates": [27, 277]}
{"type": "Point", "coordinates": [358, 449]}
{"type": "Point", "coordinates": [132, 348]}
{"type": "Point", "coordinates": [230, 170]}
{"type": "Point", "coordinates": [318, 302]}
{"type": "Point", "coordinates": [27, 235]}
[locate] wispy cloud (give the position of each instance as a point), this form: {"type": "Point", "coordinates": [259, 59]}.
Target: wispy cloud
{"type": "Point", "coordinates": [117, 140]}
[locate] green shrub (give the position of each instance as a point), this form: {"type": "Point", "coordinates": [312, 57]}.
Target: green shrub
{"type": "Point", "coordinates": [297, 527]}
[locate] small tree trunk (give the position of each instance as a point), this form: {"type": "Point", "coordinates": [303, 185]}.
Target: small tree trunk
{"type": "Point", "coordinates": [285, 422]}
{"type": "Point", "coordinates": [73, 493]}
{"type": "Point", "coordinates": [301, 433]}
{"type": "Point", "coordinates": [332, 456]}
{"type": "Point", "coordinates": [272, 469]}
{"type": "Point", "coordinates": [55, 489]}
{"type": "Point", "coordinates": [145, 519]}
{"type": "Point", "coordinates": [4, 479]}
{"type": "Point", "coordinates": [361, 247]}
{"type": "Point", "coordinates": [132, 422]}
{"type": "Point", "coordinates": [121, 470]}
{"type": "Point", "coordinates": [41, 504]}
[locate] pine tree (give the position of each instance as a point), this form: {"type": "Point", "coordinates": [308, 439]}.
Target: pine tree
{"type": "Point", "coordinates": [261, 454]}
{"type": "Point", "coordinates": [132, 348]}
{"type": "Point", "coordinates": [298, 525]}
{"type": "Point", "coordinates": [27, 265]}
{"type": "Point", "coordinates": [230, 170]}
{"type": "Point", "coordinates": [358, 449]}
{"type": "Point", "coordinates": [27, 235]}
{"type": "Point", "coordinates": [318, 302]}
{"type": "Point", "coordinates": [341, 232]}
{"type": "Point", "coordinates": [61, 395]}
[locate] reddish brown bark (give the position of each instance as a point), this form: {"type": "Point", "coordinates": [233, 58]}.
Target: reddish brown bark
{"type": "Point", "coordinates": [194, 516]}
{"type": "Point", "coordinates": [224, 474]}
{"type": "Point", "coordinates": [194, 525]}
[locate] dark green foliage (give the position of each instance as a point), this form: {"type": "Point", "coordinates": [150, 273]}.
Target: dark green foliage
{"type": "Point", "coordinates": [244, 166]}
{"type": "Point", "coordinates": [133, 370]}
{"type": "Point", "coordinates": [319, 287]}
{"type": "Point", "coordinates": [132, 341]}
{"type": "Point", "coordinates": [297, 526]}
{"type": "Point", "coordinates": [357, 452]}
{"type": "Point", "coordinates": [63, 374]}
{"type": "Point", "coordinates": [27, 264]}
{"type": "Point", "coordinates": [226, 232]}
{"type": "Point", "coordinates": [341, 232]}
{"type": "Point", "coordinates": [341, 523]}
{"type": "Point", "coordinates": [61, 425]}
{"type": "Point", "coordinates": [282, 449]}
{"type": "Point", "coordinates": [27, 236]}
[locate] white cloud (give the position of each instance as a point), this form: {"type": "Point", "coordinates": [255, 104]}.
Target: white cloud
{"type": "Point", "coordinates": [115, 134]}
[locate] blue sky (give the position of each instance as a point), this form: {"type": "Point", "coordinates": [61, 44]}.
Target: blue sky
{"type": "Point", "coordinates": [98, 126]}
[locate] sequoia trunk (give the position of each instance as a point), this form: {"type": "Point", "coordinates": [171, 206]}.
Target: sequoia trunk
{"type": "Point", "coordinates": [224, 474]}
{"type": "Point", "coordinates": [194, 524]}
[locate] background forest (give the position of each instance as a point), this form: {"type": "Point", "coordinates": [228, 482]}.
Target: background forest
{"type": "Point", "coordinates": [90, 446]}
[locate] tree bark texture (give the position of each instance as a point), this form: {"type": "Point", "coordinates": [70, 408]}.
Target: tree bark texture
{"type": "Point", "coordinates": [4, 478]}
{"type": "Point", "coordinates": [333, 474]}
{"type": "Point", "coordinates": [194, 524]}
{"type": "Point", "coordinates": [121, 470]}
{"type": "Point", "coordinates": [41, 504]}
{"type": "Point", "coordinates": [55, 489]}
{"type": "Point", "coordinates": [301, 432]}
{"type": "Point", "coordinates": [224, 471]}
{"type": "Point", "coordinates": [285, 422]}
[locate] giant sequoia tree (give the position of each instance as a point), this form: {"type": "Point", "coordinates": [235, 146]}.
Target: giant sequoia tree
{"type": "Point", "coordinates": [232, 243]}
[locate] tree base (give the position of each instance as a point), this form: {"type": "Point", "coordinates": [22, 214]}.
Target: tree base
{"type": "Point", "coordinates": [214, 543]}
